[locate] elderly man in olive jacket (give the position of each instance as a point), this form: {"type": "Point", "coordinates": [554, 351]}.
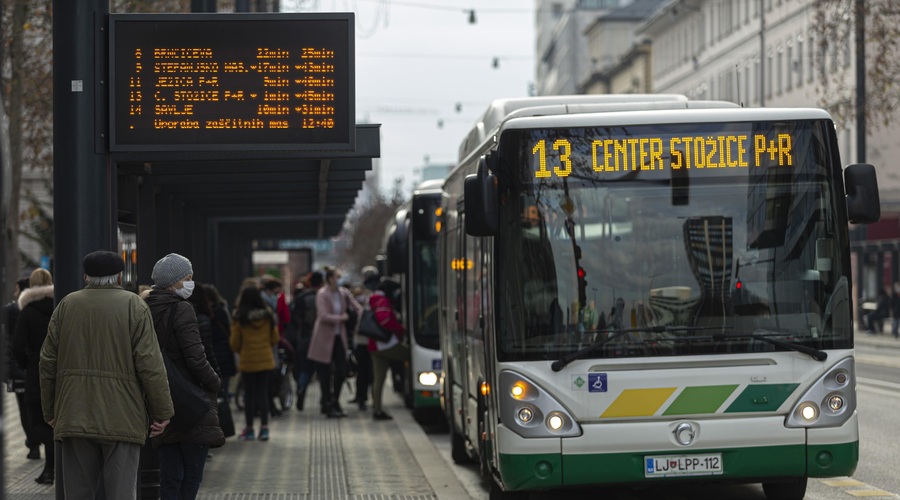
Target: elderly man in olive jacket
{"type": "Point", "coordinates": [104, 387]}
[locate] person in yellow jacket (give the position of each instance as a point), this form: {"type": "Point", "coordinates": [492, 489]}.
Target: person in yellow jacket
{"type": "Point", "coordinates": [253, 335]}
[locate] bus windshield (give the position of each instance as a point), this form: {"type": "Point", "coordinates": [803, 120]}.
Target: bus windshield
{"type": "Point", "coordinates": [720, 229]}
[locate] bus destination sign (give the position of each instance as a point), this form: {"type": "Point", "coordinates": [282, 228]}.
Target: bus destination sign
{"type": "Point", "coordinates": [203, 82]}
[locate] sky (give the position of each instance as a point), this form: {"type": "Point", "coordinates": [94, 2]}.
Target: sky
{"type": "Point", "coordinates": [426, 74]}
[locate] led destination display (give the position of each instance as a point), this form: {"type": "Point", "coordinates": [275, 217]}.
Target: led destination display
{"type": "Point", "coordinates": [554, 157]}
{"type": "Point", "coordinates": [230, 81]}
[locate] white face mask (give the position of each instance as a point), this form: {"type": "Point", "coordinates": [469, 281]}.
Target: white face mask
{"type": "Point", "coordinates": [185, 292]}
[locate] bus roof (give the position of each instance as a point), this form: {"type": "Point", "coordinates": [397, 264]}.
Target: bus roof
{"type": "Point", "coordinates": [625, 109]}
{"type": "Point", "coordinates": [429, 185]}
{"type": "Point", "coordinates": [666, 116]}
{"type": "Point", "coordinates": [504, 109]}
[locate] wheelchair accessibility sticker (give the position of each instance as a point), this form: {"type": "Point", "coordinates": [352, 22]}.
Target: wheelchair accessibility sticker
{"type": "Point", "coordinates": [596, 382]}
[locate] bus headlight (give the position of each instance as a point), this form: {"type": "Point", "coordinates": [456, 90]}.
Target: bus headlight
{"type": "Point", "coordinates": [829, 402]}
{"type": "Point", "coordinates": [531, 411]}
{"type": "Point", "coordinates": [428, 379]}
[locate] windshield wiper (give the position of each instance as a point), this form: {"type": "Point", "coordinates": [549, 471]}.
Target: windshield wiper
{"type": "Point", "coordinates": [765, 337]}
{"type": "Point", "coordinates": [568, 358]}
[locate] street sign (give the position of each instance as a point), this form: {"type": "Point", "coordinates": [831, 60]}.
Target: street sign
{"type": "Point", "coordinates": [208, 82]}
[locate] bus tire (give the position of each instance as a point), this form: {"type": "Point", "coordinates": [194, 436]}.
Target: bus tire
{"type": "Point", "coordinates": [793, 489]}
{"type": "Point", "coordinates": [457, 446]}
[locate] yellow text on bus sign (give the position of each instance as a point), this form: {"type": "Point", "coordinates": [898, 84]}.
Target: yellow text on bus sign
{"type": "Point", "coordinates": [676, 153]}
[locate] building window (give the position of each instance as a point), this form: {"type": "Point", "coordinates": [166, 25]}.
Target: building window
{"type": "Point", "coordinates": [748, 86]}
{"type": "Point", "coordinates": [770, 62]}
{"type": "Point", "coordinates": [789, 67]}
{"type": "Point", "coordinates": [779, 71]}
{"type": "Point", "coordinates": [757, 85]}
{"type": "Point", "coordinates": [811, 59]}
{"type": "Point", "coordinates": [799, 62]}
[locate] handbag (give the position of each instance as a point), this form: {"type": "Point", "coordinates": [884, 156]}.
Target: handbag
{"type": "Point", "coordinates": [191, 402]}
{"type": "Point", "coordinates": [369, 327]}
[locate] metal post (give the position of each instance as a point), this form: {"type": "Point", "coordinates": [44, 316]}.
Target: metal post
{"type": "Point", "coordinates": [762, 54]}
{"type": "Point", "coordinates": [860, 12]}
{"type": "Point", "coordinates": [82, 206]}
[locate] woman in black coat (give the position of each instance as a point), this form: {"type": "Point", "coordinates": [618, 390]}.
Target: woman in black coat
{"type": "Point", "coordinates": [183, 451]}
{"type": "Point", "coordinates": [36, 306]}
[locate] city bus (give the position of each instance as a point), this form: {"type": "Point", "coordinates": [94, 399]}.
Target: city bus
{"type": "Point", "coordinates": [410, 257]}
{"type": "Point", "coordinates": [645, 290]}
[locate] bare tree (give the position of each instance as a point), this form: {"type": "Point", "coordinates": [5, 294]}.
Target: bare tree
{"type": "Point", "coordinates": [833, 25]}
{"type": "Point", "coordinates": [363, 233]}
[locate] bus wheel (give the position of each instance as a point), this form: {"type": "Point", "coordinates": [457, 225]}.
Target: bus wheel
{"type": "Point", "coordinates": [794, 489]}
{"type": "Point", "coordinates": [457, 446]}
{"type": "Point", "coordinates": [497, 493]}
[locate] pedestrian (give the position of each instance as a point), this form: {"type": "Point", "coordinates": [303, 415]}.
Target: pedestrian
{"type": "Point", "coordinates": [182, 452]}
{"type": "Point", "coordinates": [273, 294]}
{"type": "Point", "coordinates": [101, 357]}
{"type": "Point", "coordinates": [329, 346]}
{"type": "Point", "coordinates": [15, 376]}
{"type": "Point", "coordinates": [221, 331]}
{"type": "Point", "coordinates": [36, 307]}
{"type": "Point", "coordinates": [382, 303]}
{"type": "Point", "coordinates": [303, 319]}
{"type": "Point", "coordinates": [253, 336]}
{"type": "Point", "coordinates": [895, 310]}
{"type": "Point", "coordinates": [364, 370]}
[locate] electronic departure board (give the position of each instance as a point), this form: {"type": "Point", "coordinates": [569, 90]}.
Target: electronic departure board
{"type": "Point", "coordinates": [205, 82]}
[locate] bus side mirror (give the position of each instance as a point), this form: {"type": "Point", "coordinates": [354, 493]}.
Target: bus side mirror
{"type": "Point", "coordinates": [863, 203]}
{"type": "Point", "coordinates": [481, 202]}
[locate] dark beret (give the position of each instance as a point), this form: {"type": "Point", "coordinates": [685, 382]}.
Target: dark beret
{"type": "Point", "coordinates": [103, 263]}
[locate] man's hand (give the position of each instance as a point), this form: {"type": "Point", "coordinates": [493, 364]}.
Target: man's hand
{"type": "Point", "coordinates": [157, 427]}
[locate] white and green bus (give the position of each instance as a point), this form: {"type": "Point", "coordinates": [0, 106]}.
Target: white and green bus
{"type": "Point", "coordinates": [646, 289]}
{"type": "Point", "coordinates": [409, 253]}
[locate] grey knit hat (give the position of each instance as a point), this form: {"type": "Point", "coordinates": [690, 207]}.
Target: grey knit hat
{"type": "Point", "coordinates": [169, 270]}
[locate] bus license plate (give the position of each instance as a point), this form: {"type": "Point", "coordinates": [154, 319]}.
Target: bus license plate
{"type": "Point", "coordinates": [683, 465]}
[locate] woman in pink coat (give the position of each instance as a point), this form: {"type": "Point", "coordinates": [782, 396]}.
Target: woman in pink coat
{"type": "Point", "coordinates": [328, 347]}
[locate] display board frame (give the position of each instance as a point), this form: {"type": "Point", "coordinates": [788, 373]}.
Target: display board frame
{"type": "Point", "coordinates": [300, 69]}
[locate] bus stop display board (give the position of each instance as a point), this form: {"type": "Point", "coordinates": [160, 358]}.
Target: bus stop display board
{"type": "Point", "coordinates": [206, 82]}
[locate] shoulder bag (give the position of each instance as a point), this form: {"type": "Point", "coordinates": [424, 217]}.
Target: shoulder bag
{"type": "Point", "coordinates": [191, 401]}
{"type": "Point", "coordinates": [369, 327]}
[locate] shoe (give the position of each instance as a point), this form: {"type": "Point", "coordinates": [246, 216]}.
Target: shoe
{"type": "Point", "coordinates": [362, 406]}
{"type": "Point", "coordinates": [46, 477]}
{"type": "Point", "coordinates": [246, 434]}
{"type": "Point", "coordinates": [335, 413]}
{"type": "Point", "coordinates": [264, 434]}
{"type": "Point", "coordinates": [380, 415]}
{"type": "Point", "coordinates": [34, 453]}
{"type": "Point", "coordinates": [277, 414]}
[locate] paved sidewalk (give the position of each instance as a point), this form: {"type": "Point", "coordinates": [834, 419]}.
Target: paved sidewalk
{"type": "Point", "coordinates": [309, 456]}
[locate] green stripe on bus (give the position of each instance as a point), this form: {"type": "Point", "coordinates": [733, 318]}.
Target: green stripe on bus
{"type": "Point", "coordinates": [536, 471]}
{"type": "Point", "coordinates": [527, 472]}
{"type": "Point", "coordinates": [831, 460]}
{"type": "Point", "coordinates": [706, 399]}
{"type": "Point", "coordinates": [761, 397]}
{"type": "Point", "coordinates": [422, 401]}
{"type": "Point", "coordinates": [758, 462]}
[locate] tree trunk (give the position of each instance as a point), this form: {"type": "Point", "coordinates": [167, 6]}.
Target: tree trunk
{"type": "Point", "coordinates": [16, 86]}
